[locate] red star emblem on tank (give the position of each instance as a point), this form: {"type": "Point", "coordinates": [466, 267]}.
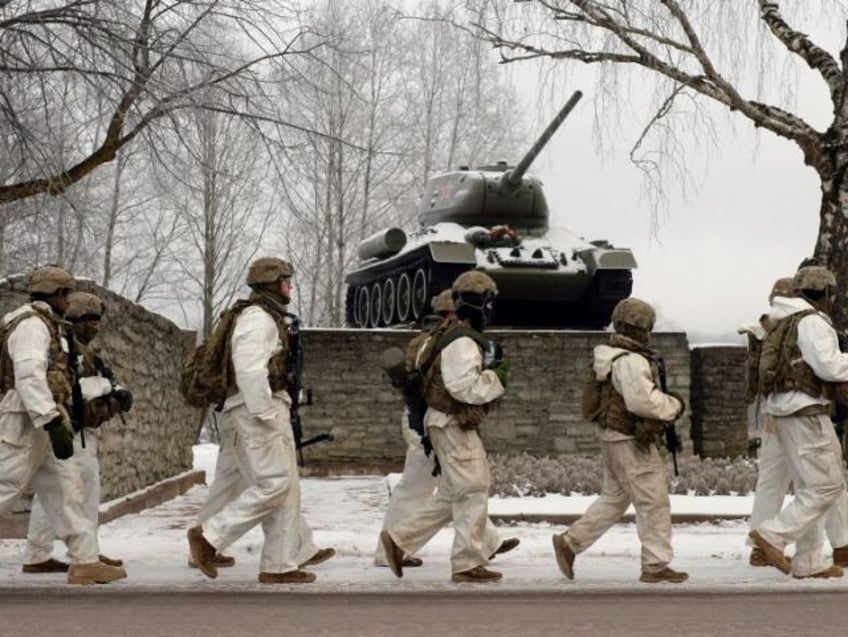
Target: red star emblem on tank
{"type": "Point", "coordinates": [446, 191]}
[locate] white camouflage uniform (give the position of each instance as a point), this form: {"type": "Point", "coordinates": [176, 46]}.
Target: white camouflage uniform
{"type": "Point", "coordinates": [26, 457]}
{"type": "Point", "coordinates": [808, 444]}
{"type": "Point", "coordinates": [229, 483]}
{"type": "Point", "coordinates": [416, 484]}
{"type": "Point", "coordinates": [463, 486]}
{"type": "Point", "coordinates": [264, 450]}
{"type": "Point", "coordinates": [774, 474]}
{"type": "Point", "coordinates": [633, 473]}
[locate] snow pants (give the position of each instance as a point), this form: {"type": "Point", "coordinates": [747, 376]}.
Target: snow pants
{"type": "Point", "coordinates": [229, 483]}
{"type": "Point", "coordinates": [462, 495]}
{"type": "Point", "coordinates": [264, 454]}
{"type": "Point", "coordinates": [773, 479]}
{"type": "Point", "coordinates": [27, 461]}
{"type": "Point", "coordinates": [814, 457]}
{"type": "Point", "coordinates": [633, 474]}
{"type": "Point", "coordinates": [40, 534]}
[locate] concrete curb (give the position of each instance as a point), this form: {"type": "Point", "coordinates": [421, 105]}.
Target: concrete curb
{"type": "Point", "coordinates": [570, 518]}
{"type": "Point", "coordinates": [14, 525]}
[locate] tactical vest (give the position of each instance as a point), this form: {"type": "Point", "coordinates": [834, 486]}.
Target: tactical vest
{"type": "Point", "coordinates": [60, 377]}
{"type": "Point", "coordinates": [613, 413]}
{"type": "Point", "coordinates": [436, 394]}
{"type": "Point", "coordinates": [782, 368]}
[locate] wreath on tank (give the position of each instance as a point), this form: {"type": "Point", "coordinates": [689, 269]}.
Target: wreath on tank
{"type": "Point", "coordinates": [502, 237]}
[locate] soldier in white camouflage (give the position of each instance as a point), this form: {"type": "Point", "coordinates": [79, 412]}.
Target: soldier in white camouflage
{"type": "Point", "coordinates": [800, 367]}
{"type": "Point", "coordinates": [420, 478]}
{"type": "Point", "coordinates": [632, 416]}
{"type": "Point", "coordinates": [104, 398]}
{"type": "Point", "coordinates": [36, 433]}
{"type": "Point", "coordinates": [458, 392]}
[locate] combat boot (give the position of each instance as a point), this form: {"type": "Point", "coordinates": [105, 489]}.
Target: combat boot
{"type": "Point", "coordinates": [321, 555]}
{"type": "Point", "coordinates": [47, 566]}
{"type": "Point", "coordinates": [292, 577]}
{"type": "Point", "coordinates": [94, 573]}
{"type": "Point", "coordinates": [771, 554]}
{"type": "Point", "coordinates": [220, 560]}
{"type": "Point", "coordinates": [110, 561]}
{"type": "Point", "coordinates": [506, 546]}
{"type": "Point", "coordinates": [477, 574]}
{"type": "Point", "coordinates": [666, 575]}
{"type": "Point", "coordinates": [564, 555]}
{"type": "Point", "coordinates": [758, 559]}
{"type": "Point", "coordinates": [840, 556]}
{"type": "Point", "coordinates": [831, 571]}
{"type": "Point", "coordinates": [394, 554]}
{"type": "Point", "coordinates": [202, 553]}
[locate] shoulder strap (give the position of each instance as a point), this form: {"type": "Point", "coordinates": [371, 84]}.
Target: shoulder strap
{"type": "Point", "coordinates": [458, 332]}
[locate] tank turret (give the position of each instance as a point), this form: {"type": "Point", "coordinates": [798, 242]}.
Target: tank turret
{"type": "Point", "coordinates": [494, 218]}
{"type": "Point", "coordinates": [493, 195]}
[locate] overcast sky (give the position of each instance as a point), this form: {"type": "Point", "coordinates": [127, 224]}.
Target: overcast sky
{"type": "Point", "coordinates": [751, 219]}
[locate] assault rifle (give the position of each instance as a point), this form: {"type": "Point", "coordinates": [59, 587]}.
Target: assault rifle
{"type": "Point", "coordinates": [294, 387]}
{"type": "Point", "coordinates": [672, 443]}
{"type": "Point", "coordinates": [77, 407]}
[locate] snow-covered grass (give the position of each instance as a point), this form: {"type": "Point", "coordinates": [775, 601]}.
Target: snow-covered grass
{"type": "Point", "coordinates": [346, 513]}
{"type": "Point", "coordinates": [525, 475]}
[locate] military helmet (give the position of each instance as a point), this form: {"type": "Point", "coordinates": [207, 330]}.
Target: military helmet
{"type": "Point", "coordinates": [782, 287]}
{"type": "Point", "coordinates": [634, 312]}
{"type": "Point", "coordinates": [813, 277]}
{"type": "Point", "coordinates": [268, 270]}
{"type": "Point", "coordinates": [82, 304]}
{"type": "Point", "coordinates": [443, 302]}
{"type": "Point", "coordinates": [49, 279]}
{"type": "Point", "coordinates": [474, 281]}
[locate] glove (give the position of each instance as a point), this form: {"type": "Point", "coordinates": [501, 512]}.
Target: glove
{"type": "Point", "coordinates": [679, 397]}
{"type": "Point", "coordinates": [124, 398]}
{"type": "Point", "coordinates": [501, 369]}
{"type": "Point", "coordinates": [61, 438]}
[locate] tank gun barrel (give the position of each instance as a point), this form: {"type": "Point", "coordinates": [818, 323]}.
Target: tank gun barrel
{"type": "Point", "coordinates": [513, 177]}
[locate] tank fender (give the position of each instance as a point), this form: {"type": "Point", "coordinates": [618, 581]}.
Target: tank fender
{"type": "Point", "coordinates": [449, 252]}
{"type": "Point", "coordinates": [601, 259]}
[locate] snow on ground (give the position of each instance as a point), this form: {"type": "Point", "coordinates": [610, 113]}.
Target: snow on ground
{"type": "Point", "coordinates": [346, 513]}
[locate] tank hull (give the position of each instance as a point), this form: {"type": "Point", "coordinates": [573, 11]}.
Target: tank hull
{"type": "Point", "coordinates": [554, 280]}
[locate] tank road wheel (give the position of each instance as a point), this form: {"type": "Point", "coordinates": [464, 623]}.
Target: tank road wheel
{"type": "Point", "coordinates": [404, 297]}
{"type": "Point", "coordinates": [376, 305]}
{"type": "Point", "coordinates": [389, 301]}
{"type": "Point", "coordinates": [420, 294]}
{"type": "Point", "coordinates": [363, 306]}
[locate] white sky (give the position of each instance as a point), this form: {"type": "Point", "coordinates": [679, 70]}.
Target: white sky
{"type": "Point", "coordinates": [347, 512]}
{"type": "Point", "coordinates": [751, 219]}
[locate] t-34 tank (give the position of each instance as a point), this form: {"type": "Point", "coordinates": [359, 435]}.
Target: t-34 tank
{"type": "Point", "coordinates": [495, 219]}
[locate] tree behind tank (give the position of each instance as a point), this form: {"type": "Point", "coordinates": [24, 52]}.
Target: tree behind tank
{"type": "Point", "coordinates": [394, 100]}
{"type": "Point", "coordinates": [740, 56]}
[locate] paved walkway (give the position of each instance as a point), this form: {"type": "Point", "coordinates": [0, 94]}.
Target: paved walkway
{"type": "Point", "coordinates": [347, 512]}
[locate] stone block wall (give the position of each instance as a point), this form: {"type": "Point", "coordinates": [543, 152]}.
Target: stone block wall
{"type": "Point", "coordinates": [539, 415]}
{"type": "Point", "coordinates": [146, 353]}
{"type": "Point", "coordinates": [718, 401]}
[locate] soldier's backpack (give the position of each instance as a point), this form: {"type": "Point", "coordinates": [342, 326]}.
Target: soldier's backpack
{"type": "Point", "coordinates": [777, 350]}
{"type": "Point", "coordinates": [207, 374]}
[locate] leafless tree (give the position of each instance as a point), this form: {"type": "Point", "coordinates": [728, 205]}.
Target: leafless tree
{"type": "Point", "coordinates": [726, 54]}
{"type": "Point", "coordinates": [129, 63]}
{"type": "Point", "coordinates": [216, 180]}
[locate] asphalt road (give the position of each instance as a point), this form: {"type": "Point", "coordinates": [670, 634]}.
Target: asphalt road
{"type": "Point", "coordinates": [284, 613]}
